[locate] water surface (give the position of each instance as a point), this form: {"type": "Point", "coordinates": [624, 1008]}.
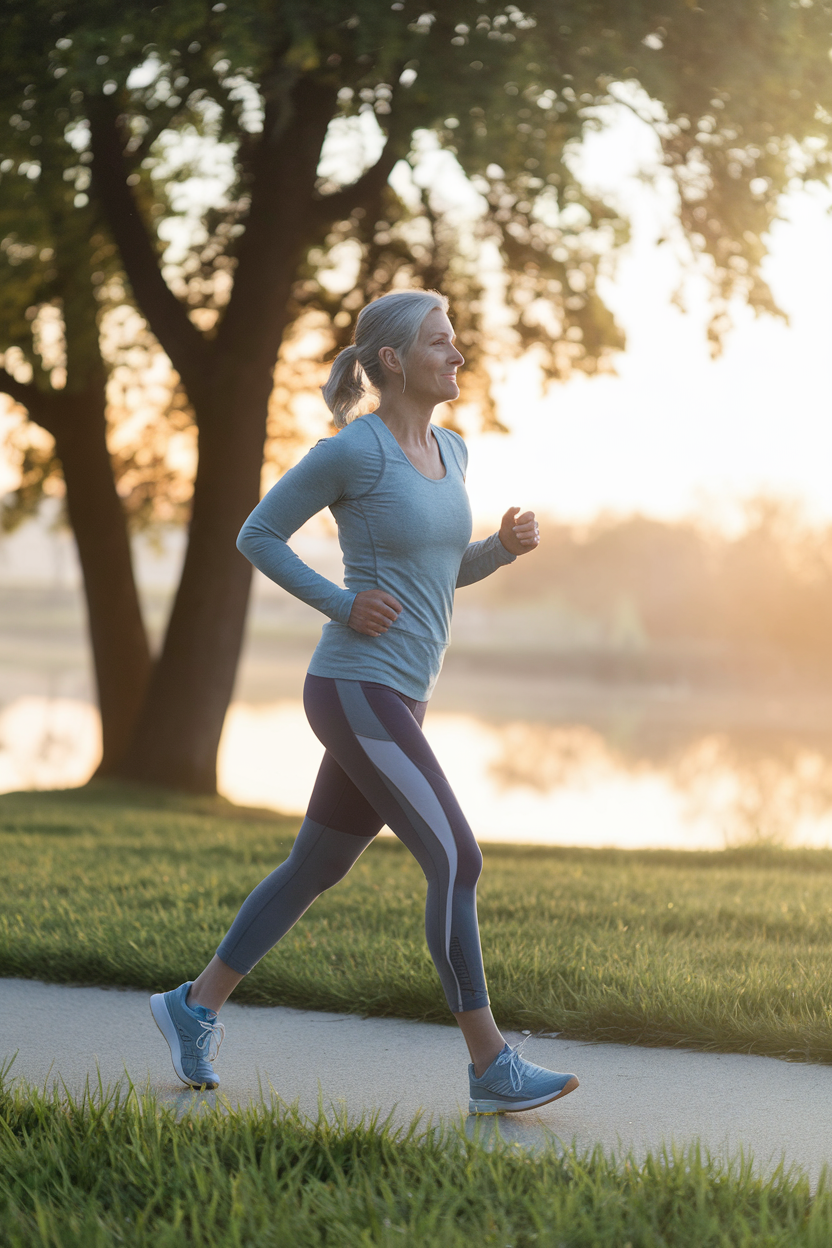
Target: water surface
{"type": "Point", "coordinates": [534, 757]}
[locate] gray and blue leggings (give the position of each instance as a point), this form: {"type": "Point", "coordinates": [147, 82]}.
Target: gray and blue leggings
{"type": "Point", "coordinates": [378, 769]}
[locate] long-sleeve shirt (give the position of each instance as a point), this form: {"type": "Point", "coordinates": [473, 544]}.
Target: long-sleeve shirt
{"type": "Point", "coordinates": [399, 531]}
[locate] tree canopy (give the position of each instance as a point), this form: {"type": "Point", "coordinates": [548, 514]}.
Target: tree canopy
{"type": "Point", "coordinates": [236, 170]}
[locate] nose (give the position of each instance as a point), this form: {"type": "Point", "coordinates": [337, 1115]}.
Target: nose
{"type": "Point", "coordinates": [458, 359]}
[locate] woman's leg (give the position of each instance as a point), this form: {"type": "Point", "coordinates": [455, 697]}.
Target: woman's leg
{"type": "Point", "coordinates": [482, 1035]}
{"type": "Point", "coordinates": [378, 768]}
{"type": "Point", "coordinates": [338, 827]}
{"type": "Point", "coordinates": [375, 735]}
{"type": "Point", "coordinates": [214, 986]}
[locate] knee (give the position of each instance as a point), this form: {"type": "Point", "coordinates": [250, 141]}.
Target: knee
{"type": "Point", "coordinates": [332, 868]}
{"type": "Point", "coordinates": [331, 874]}
{"type": "Point", "coordinates": [305, 878]}
{"type": "Point", "coordinates": [469, 862]}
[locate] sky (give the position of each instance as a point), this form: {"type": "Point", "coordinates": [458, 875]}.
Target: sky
{"type": "Point", "coordinates": [676, 433]}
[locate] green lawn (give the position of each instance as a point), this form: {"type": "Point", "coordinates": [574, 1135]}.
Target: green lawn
{"type": "Point", "coordinates": [112, 1172]}
{"type": "Point", "coordinates": [725, 951]}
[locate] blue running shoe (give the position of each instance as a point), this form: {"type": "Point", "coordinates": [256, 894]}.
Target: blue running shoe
{"type": "Point", "coordinates": [511, 1084]}
{"type": "Point", "coordinates": [193, 1034]}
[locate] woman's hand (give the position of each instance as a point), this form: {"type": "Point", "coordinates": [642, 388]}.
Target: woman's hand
{"type": "Point", "coordinates": [373, 611]}
{"type": "Point", "coordinates": [519, 534]}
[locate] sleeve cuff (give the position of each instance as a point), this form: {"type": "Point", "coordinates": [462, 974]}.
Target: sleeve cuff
{"type": "Point", "coordinates": [343, 608]}
{"type": "Point", "coordinates": [504, 556]}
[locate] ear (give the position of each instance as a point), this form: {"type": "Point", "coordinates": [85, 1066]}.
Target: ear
{"type": "Point", "coordinates": [389, 359]}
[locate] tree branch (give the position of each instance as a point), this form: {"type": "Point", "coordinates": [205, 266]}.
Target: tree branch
{"type": "Point", "coordinates": [366, 190]}
{"type": "Point", "coordinates": [167, 317]}
{"type": "Point", "coordinates": [279, 222]}
{"type": "Point", "coordinates": [652, 122]}
{"type": "Point", "coordinates": [42, 408]}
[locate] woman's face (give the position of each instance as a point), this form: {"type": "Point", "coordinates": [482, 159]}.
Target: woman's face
{"type": "Point", "coordinates": [432, 361]}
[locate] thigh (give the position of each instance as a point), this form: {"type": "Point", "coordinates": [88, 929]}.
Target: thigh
{"type": "Point", "coordinates": [337, 803]}
{"type": "Point", "coordinates": [376, 737]}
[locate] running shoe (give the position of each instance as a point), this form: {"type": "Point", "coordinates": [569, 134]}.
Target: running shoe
{"type": "Point", "coordinates": [193, 1035]}
{"type": "Point", "coordinates": [511, 1084]}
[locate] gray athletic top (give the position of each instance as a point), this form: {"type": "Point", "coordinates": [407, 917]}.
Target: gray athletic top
{"type": "Point", "coordinates": [399, 531]}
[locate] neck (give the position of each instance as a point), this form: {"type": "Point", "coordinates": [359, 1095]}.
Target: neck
{"type": "Point", "coordinates": [407, 416]}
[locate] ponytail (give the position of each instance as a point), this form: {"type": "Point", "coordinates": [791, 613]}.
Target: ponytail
{"type": "Point", "coordinates": [393, 320]}
{"type": "Point", "coordinates": [344, 388]}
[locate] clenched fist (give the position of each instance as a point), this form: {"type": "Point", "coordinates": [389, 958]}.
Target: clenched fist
{"type": "Point", "coordinates": [373, 611]}
{"type": "Point", "coordinates": [519, 534]}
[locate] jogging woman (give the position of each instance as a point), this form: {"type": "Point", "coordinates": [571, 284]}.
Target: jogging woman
{"type": "Point", "coordinates": [395, 484]}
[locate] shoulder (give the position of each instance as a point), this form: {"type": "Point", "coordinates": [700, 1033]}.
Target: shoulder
{"type": "Point", "coordinates": [353, 454]}
{"type": "Point", "coordinates": [456, 445]}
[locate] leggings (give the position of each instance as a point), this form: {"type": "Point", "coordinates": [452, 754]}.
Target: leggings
{"type": "Point", "coordinates": [378, 769]}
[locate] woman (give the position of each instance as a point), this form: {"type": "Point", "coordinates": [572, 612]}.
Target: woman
{"type": "Point", "coordinates": [395, 484]}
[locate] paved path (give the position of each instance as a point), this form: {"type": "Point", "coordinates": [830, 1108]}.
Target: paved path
{"type": "Point", "coordinates": [629, 1097]}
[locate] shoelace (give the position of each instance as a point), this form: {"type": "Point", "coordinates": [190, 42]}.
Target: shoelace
{"type": "Point", "coordinates": [515, 1064]}
{"type": "Point", "coordinates": [210, 1032]}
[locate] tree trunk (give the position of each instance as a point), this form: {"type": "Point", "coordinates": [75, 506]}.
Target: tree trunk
{"type": "Point", "coordinates": [229, 384]}
{"type": "Point", "coordinates": [119, 643]}
{"type": "Point", "coordinates": [178, 731]}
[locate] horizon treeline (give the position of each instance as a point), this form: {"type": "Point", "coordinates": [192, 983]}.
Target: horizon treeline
{"type": "Point", "coordinates": [759, 600]}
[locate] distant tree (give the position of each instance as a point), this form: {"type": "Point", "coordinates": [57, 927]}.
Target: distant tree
{"type": "Point", "coordinates": [738, 95]}
{"type": "Point", "coordinates": [762, 597]}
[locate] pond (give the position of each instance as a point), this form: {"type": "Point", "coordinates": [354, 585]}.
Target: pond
{"type": "Point", "coordinates": [517, 779]}
{"type": "Point", "coordinates": [534, 755]}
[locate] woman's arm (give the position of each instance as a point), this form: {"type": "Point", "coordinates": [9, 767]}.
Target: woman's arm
{"type": "Point", "coordinates": [517, 536]}
{"type": "Point", "coordinates": [481, 559]}
{"type": "Point", "coordinates": [318, 481]}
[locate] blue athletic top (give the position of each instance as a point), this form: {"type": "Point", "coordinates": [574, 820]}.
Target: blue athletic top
{"type": "Point", "coordinates": [399, 531]}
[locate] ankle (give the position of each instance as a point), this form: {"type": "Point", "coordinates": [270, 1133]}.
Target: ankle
{"type": "Point", "coordinates": [192, 1000]}
{"type": "Point", "coordinates": [481, 1067]}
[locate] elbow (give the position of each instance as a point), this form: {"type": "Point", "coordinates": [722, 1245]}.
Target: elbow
{"type": "Point", "coordinates": [244, 540]}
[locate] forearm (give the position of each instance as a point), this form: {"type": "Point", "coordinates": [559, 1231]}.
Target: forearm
{"type": "Point", "coordinates": [481, 559]}
{"type": "Point", "coordinates": [276, 560]}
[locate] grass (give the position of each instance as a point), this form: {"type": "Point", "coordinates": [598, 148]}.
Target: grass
{"type": "Point", "coordinates": [726, 951]}
{"type": "Point", "coordinates": [118, 1169]}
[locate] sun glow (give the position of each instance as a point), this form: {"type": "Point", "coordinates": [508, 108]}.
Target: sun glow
{"type": "Point", "coordinates": [675, 432]}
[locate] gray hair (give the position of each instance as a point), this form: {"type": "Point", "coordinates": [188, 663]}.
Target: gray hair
{"type": "Point", "coordinates": [393, 320]}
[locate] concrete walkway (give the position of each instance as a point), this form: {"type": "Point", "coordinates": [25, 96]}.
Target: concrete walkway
{"type": "Point", "coordinates": [630, 1098]}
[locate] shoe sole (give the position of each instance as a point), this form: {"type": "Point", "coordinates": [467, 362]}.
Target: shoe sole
{"type": "Point", "coordinates": [163, 1020]}
{"type": "Point", "coordinates": [516, 1107]}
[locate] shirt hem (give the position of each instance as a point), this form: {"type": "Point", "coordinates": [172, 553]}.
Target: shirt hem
{"type": "Point", "coordinates": [378, 675]}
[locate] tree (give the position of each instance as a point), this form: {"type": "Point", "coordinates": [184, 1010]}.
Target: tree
{"type": "Point", "coordinates": [738, 96]}
{"type": "Point", "coordinates": [53, 258]}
